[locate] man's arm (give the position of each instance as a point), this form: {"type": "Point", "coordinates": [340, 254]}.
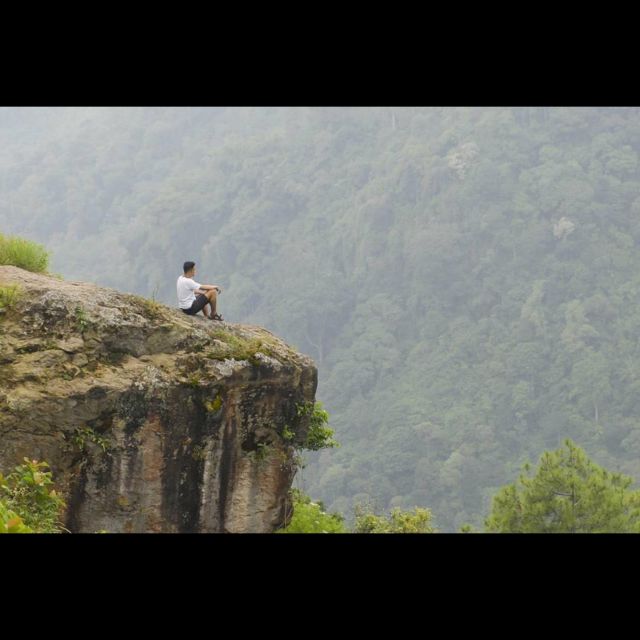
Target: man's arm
{"type": "Point", "coordinates": [196, 287]}
{"type": "Point", "coordinates": [204, 288]}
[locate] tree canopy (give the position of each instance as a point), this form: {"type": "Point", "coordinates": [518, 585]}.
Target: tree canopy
{"type": "Point", "coordinates": [566, 493]}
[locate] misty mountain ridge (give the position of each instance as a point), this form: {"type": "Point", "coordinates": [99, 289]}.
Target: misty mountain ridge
{"type": "Point", "coordinates": [464, 278]}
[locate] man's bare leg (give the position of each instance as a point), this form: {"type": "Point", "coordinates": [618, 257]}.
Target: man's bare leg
{"type": "Point", "coordinates": [212, 296]}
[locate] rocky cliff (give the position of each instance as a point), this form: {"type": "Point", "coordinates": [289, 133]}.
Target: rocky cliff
{"type": "Point", "coordinates": [151, 420]}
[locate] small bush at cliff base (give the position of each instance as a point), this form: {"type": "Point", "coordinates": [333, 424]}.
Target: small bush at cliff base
{"type": "Point", "coordinates": [23, 253]}
{"type": "Point", "coordinates": [310, 517]}
{"type": "Point", "coordinates": [25, 494]}
{"type": "Point", "coordinates": [11, 522]}
{"type": "Point", "coordinates": [416, 521]}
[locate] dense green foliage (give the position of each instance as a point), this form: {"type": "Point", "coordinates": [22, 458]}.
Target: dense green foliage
{"type": "Point", "coordinates": [11, 522]}
{"type": "Point", "coordinates": [28, 503]}
{"type": "Point", "coordinates": [466, 278]}
{"type": "Point", "coordinates": [23, 253]}
{"type": "Point", "coordinates": [567, 493]}
{"type": "Point", "coordinates": [398, 521]}
{"type": "Point", "coordinates": [310, 517]}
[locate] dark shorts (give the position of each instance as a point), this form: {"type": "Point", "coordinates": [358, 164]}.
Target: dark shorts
{"type": "Point", "coordinates": [197, 305]}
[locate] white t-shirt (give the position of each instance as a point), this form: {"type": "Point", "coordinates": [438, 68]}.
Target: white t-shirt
{"type": "Point", "coordinates": [186, 287]}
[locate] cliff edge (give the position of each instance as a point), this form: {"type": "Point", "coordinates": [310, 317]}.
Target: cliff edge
{"type": "Point", "coordinates": [151, 420]}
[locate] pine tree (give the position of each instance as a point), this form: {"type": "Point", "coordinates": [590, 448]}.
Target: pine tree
{"type": "Point", "coordinates": [567, 493]}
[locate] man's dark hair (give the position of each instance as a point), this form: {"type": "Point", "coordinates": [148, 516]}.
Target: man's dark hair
{"type": "Point", "coordinates": [187, 266]}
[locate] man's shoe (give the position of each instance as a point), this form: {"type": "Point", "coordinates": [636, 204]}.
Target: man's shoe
{"type": "Point", "coordinates": [217, 316]}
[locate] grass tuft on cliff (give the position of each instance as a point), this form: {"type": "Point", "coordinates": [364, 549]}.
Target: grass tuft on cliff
{"type": "Point", "coordinates": [239, 348]}
{"type": "Point", "coordinates": [150, 308]}
{"type": "Point", "coordinates": [22, 253]}
{"type": "Point", "coordinates": [9, 295]}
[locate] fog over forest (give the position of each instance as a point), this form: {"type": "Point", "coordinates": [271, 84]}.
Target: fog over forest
{"type": "Point", "coordinates": [466, 279]}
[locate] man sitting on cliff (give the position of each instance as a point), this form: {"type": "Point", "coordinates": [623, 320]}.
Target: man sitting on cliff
{"type": "Point", "coordinates": [194, 297]}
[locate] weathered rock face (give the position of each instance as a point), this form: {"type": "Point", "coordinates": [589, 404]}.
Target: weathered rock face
{"type": "Point", "coordinates": [151, 420]}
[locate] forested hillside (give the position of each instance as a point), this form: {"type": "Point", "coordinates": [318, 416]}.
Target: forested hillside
{"type": "Point", "coordinates": [466, 279]}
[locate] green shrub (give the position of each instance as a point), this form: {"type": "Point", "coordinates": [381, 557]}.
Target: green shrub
{"type": "Point", "coordinates": [11, 522]}
{"type": "Point", "coordinates": [26, 500]}
{"type": "Point", "coordinates": [320, 436]}
{"type": "Point", "coordinates": [23, 253]}
{"type": "Point", "coordinates": [416, 521]}
{"type": "Point", "coordinates": [310, 517]}
{"type": "Point", "coordinates": [82, 434]}
{"type": "Point", "coordinates": [287, 433]}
